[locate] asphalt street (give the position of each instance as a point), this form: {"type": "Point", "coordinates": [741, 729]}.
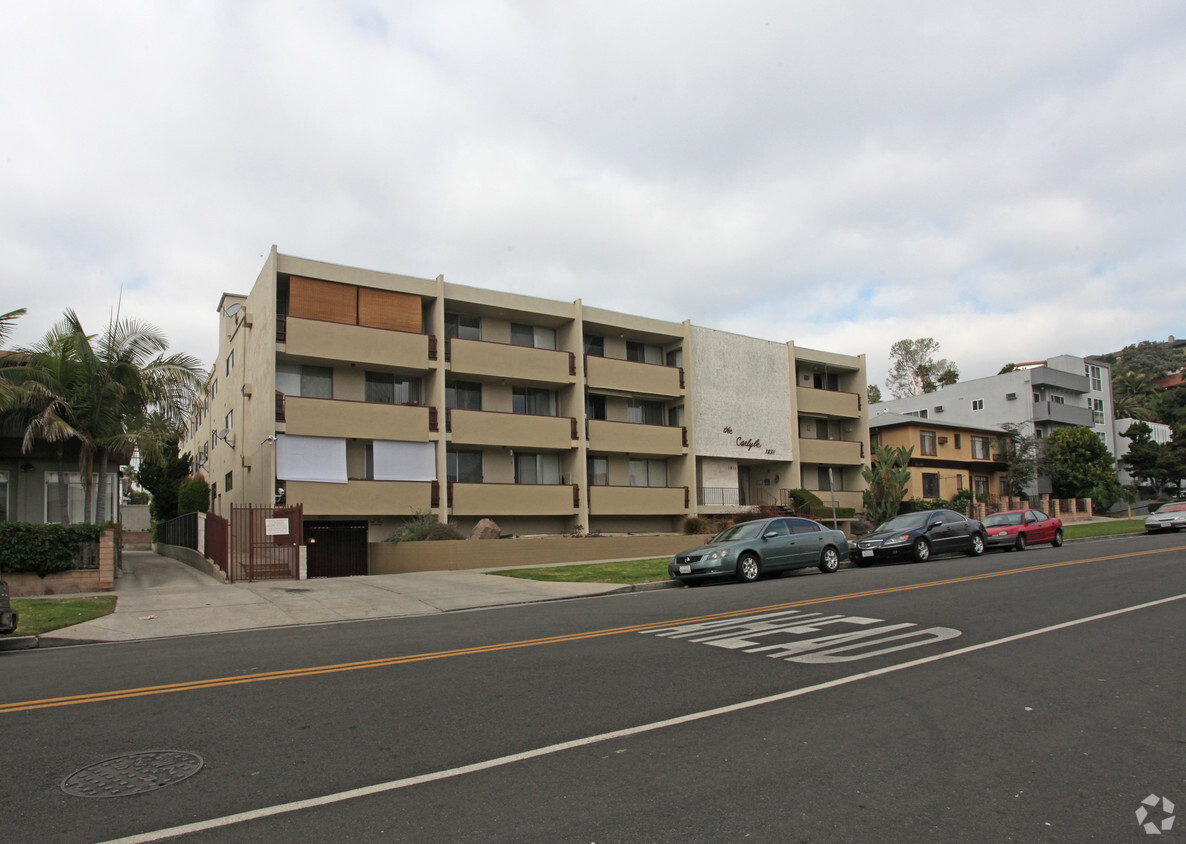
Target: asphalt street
{"type": "Point", "coordinates": [1022, 697]}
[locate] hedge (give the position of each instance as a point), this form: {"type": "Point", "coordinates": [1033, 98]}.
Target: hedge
{"type": "Point", "coordinates": [42, 549]}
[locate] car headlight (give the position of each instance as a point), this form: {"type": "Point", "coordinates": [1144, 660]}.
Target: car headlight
{"type": "Point", "coordinates": [1001, 533]}
{"type": "Point", "coordinates": [900, 539]}
{"type": "Point", "coordinates": [719, 554]}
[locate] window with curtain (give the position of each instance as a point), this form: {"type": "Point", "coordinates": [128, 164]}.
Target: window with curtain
{"type": "Point", "coordinates": [594, 406]}
{"type": "Point", "coordinates": [396, 460]}
{"type": "Point", "coordinates": [315, 382]}
{"type": "Point", "coordinates": [980, 446]}
{"type": "Point", "coordinates": [643, 352]}
{"type": "Point", "coordinates": [595, 345]}
{"type": "Point", "coordinates": [463, 326]}
{"type": "Point", "coordinates": [76, 497]}
{"type": "Point", "coordinates": [535, 402]}
{"type": "Point", "coordinates": [598, 468]}
{"type": "Point", "coordinates": [534, 336]}
{"type": "Point", "coordinates": [651, 472]}
{"type": "Point", "coordinates": [463, 395]}
{"type": "Point", "coordinates": [317, 459]}
{"type": "Point", "coordinates": [389, 388]}
{"type": "Point", "coordinates": [926, 441]}
{"type": "Point", "coordinates": [537, 468]}
{"type": "Point", "coordinates": [645, 412]}
{"type": "Point", "coordinates": [464, 467]}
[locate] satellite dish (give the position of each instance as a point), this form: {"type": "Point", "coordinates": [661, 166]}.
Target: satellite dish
{"type": "Point", "coordinates": [223, 433]}
{"type": "Point", "coordinates": [233, 309]}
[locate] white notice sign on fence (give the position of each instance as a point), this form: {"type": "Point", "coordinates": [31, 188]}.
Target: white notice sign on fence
{"type": "Point", "coordinates": [276, 527]}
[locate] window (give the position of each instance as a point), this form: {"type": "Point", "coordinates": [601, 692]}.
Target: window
{"type": "Point", "coordinates": [228, 482]}
{"type": "Point", "coordinates": [532, 401]}
{"type": "Point", "coordinates": [826, 381]}
{"type": "Point", "coordinates": [804, 526]}
{"type": "Point", "coordinates": [1097, 411]}
{"type": "Point", "coordinates": [980, 447]}
{"type": "Point", "coordinates": [230, 361]}
{"type": "Point", "coordinates": [214, 388]}
{"type": "Point", "coordinates": [534, 336]}
{"type": "Point", "coordinates": [75, 497]}
{"type": "Point", "coordinates": [1057, 399]}
{"type": "Point", "coordinates": [675, 358]}
{"type": "Point", "coordinates": [463, 395]}
{"type": "Point", "coordinates": [389, 388]}
{"type": "Point", "coordinates": [926, 442]}
{"type": "Point", "coordinates": [1037, 397]}
{"type": "Point", "coordinates": [463, 326]}
{"type": "Point", "coordinates": [537, 468]}
{"type": "Point", "coordinates": [830, 479]}
{"type": "Point", "coordinates": [930, 485]}
{"type": "Point", "coordinates": [464, 467]}
{"type": "Point", "coordinates": [959, 483]}
{"type": "Point", "coordinates": [598, 468]}
{"type": "Point", "coordinates": [980, 484]}
{"type": "Point", "coordinates": [3, 495]}
{"type": "Point", "coordinates": [1097, 378]}
{"type": "Point", "coordinates": [645, 412]}
{"type": "Point", "coordinates": [594, 406]}
{"type": "Point", "coordinates": [977, 404]}
{"type": "Point", "coordinates": [315, 382]}
{"type": "Point", "coordinates": [958, 442]}
{"type": "Point", "coordinates": [595, 345]}
{"type": "Point", "coordinates": [648, 472]}
{"type": "Point", "coordinates": [643, 352]}
{"type": "Point", "coordinates": [229, 419]}
{"type": "Point", "coordinates": [675, 416]}
{"type": "Point", "coordinates": [921, 414]}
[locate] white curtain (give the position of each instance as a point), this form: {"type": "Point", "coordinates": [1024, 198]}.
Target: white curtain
{"type": "Point", "coordinates": [404, 461]}
{"type": "Point", "coordinates": [321, 459]}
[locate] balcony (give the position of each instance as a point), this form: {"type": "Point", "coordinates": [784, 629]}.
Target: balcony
{"type": "Point", "coordinates": [632, 377]}
{"type": "Point", "coordinates": [828, 402]}
{"type": "Point", "coordinates": [637, 500]}
{"type": "Point", "coordinates": [635, 438]}
{"type": "Point", "coordinates": [362, 420]}
{"type": "Point", "coordinates": [503, 360]}
{"type": "Point", "coordinates": [513, 499]}
{"type": "Point", "coordinates": [318, 340]}
{"type": "Point", "coordinates": [1044, 376]}
{"type": "Point", "coordinates": [1063, 414]}
{"type": "Point", "coordinates": [513, 430]}
{"type": "Point", "coordinates": [831, 452]}
{"type": "Point", "coordinates": [360, 498]}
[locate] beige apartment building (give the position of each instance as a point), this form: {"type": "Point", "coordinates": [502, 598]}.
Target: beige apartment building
{"type": "Point", "coordinates": [368, 397]}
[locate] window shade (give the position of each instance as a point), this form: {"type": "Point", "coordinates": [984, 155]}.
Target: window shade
{"type": "Point", "coordinates": [404, 461]}
{"type": "Point", "coordinates": [319, 459]}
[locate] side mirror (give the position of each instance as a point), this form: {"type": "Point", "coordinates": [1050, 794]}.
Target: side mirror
{"type": "Point", "coordinates": [770, 534]}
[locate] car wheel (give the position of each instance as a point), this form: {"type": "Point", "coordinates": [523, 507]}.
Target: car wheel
{"type": "Point", "coordinates": [748, 568]}
{"type": "Point", "coordinates": [977, 545]}
{"type": "Point", "coordinates": [1020, 542]}
{"type": "Point", "coordinates": [921, 550]}
{"type": "Point", "coordinates": [1057, 541]}
{"type": "Point", "coordinates": [829, 561]}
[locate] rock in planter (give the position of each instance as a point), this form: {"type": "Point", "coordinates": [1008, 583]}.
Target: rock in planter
{"type": "Point", "coordinates": [486, 529]}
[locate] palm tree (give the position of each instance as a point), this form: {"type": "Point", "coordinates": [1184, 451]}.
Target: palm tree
{"type": "Point", "coordinates": [6, 323]}
{"type": "Point", "coordinates": [1132, 395]}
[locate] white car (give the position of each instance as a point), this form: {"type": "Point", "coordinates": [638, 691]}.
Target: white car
{"type": "Point", "coordinates": [1168, 517]}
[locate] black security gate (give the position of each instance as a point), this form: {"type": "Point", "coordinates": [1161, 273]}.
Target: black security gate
{"type": "Point", "coordinates": [336, 548]}
{"type": "Point", "coordinates": [265, 543]}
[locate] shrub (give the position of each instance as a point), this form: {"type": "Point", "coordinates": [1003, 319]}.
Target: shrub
{"type": "Point", "coordinates": [694, 525]}
{"type": "Point", "coordinates": [802, 499]}
{"type": "Point", "coordinates": [915, 505]}
{"type": "Point", "coordinates": [860, 527]}
{"type": "Point", "coordinates": [424, 527]}
{"type": "Point", "coordinates": [193, 496]}
{"type": "Point", "coordinates": [42, 549]}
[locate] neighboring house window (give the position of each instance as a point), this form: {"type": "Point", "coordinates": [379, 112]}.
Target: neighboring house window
{"type": "Point", "coordinates": [959, 483]}
{"type": "Point", "coordinates": [3, 496]}
{"type": "Point", "coordinates": [833, 482]}
{"type": "Point", "coordinates": [537, 468]}
{"type": "Point", "coordinates": [230, 361]}
{"type": "Point", "coordinates": [534, 402]}
{"type": "Point", "coordinates": [643, 352]}
{"type": "Point", "coordinates": [958, 442]}
{"type": "Point", "coordinates": [315, 382]}
{"type": "Point", "coordinates": [595, 345]}
{"type": "Point", "coordinates": [645, 412]}
{"type": "Point", "coordinates": [463, 395]}
{"type": "Point", "coordinates": [921, 414]}
{"type": "Point", "coordinates": [75, 497]}
{"type": "Point", "coordinates": [980, 484]}
{"type": "Point", "coordinates": [648, 472]}
{"type": "Point", "coordinates": [977, 404]}
{"type": "Point", "coordinates": [926, 442]}
{"type": "Point", "coordinates": [464, 467]}
{"type": "Point", "coordinates": [594, 406]}
{"type": "Point", "coordinates": [1097, 411]}
{"type": "Point", "coordinates": [389, 388]}
{"type": "Point", "coordinates": [598, 471]}
{"type": "Point", "coordinates": [980, 447]}
{"type": "Point", "coordinates": [228, 483]}
{"type": "Point", "coordinates": [534, 336]}
{"type": "Point", "coordinates": [463, 326]}
{"type": "Point", "coordinates": [930, 485]}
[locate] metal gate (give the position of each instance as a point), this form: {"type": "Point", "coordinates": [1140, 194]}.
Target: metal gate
{"type": "Point", "coordinates": [336, 549]}
{"type": "Point", "coordinates": [217, 539]}
{"type": "Point", "coordinates": [265, 543]}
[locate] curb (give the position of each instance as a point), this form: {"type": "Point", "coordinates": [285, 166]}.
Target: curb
{"type": "Point", "coordinates": [18, 643]}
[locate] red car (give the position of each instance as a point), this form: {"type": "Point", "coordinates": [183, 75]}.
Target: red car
{"type": "Point", "coordinates": [1015, 529]}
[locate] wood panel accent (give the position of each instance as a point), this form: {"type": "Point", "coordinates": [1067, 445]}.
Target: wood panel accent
{"type": "Point", "coordinates": [389, 309]}
{"type": "Point", "coordinates": [326, 300]}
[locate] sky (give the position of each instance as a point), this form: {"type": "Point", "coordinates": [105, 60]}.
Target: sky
{"type": "Point", "coordinates": [1006, 177]}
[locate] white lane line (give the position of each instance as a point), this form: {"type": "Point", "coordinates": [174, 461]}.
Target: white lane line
{"type": "Point", "coordinates": [395, 785]}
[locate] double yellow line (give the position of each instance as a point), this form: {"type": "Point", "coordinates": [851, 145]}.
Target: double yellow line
{"type": "Point", "coordinates": [220, 682]}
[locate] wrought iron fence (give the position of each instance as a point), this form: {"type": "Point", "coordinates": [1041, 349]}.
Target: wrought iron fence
{"type": "Point", "coordinates": [181, 531]}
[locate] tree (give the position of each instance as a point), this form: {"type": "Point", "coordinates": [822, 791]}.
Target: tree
{"type": "Point", "coordinates": [1134, 395]}
{"type": "Point", "coordinates": [162, 476]}
{"type": "Point", "coordinates": [1149, 460]}
{"type": "Point", "coordinates": [874, 394]}
{"type": "Point", "coordinates": [1009, 367]}
{"type": "Point", "coordinates": [6, 323]}
{"type": "Point", "coordinates": [1077, 463]}
{"type": "Point", "coordinates": [915, 369]}
{"type": "Point", "coordinates": [1154, 358]}
{"type": "Point", "coordinates": [1020, 451]}
{"type": "Point", "coordinates": [888, 481]}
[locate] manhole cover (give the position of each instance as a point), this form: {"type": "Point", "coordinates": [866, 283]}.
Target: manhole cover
{"type": "Point", "coordinates": [132, 773]}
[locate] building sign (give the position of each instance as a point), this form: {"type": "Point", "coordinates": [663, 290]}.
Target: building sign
{"type": "Point", "coordinates": [276, 527]}
{"type": "Point", "coordinates": [749, 443]}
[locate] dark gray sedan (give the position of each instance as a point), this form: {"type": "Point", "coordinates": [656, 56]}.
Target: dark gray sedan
{"type": "Point", "coordinates": [748, 550]}
{"type": "Point", "coordinates": [919, 536]}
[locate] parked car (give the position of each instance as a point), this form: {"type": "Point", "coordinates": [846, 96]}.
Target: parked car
{"type": "Point", "coordinates": [748, 550]}
{"type": "Point", "coordinates": [1170, 516]}
{"type": "Point", "coordinates": [1013, 530]}
{"type": "Point", "coordinates": [920, 536]}
{"type": "Point", "coordinates": [8, 616]}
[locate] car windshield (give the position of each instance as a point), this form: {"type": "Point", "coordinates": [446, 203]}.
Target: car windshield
{"type": "Point", "coordinates": [1002, 519]}
{"type": "Point", "coordinates": [1172, 508]}
{"type": "Point", "coordinates": [907, 521]}
{"type": "Point", "coordinates": [745, 530]}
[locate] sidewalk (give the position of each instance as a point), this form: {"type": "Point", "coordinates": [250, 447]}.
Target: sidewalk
{"type": "Point", "coordinates": [161, 597]}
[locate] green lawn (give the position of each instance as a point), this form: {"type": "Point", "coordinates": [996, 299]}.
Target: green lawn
{"type": "Point", "coordinates": [41, 615]}
{"type": "Point", "coordinates": [647, 571]}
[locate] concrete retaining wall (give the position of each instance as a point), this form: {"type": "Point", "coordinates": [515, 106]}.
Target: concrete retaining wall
{"type": "Point", "coordinates": [191, 558]}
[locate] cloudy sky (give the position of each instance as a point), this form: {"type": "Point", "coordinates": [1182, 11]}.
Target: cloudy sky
{"type": "Point", "coordinates": [1006, 177]}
